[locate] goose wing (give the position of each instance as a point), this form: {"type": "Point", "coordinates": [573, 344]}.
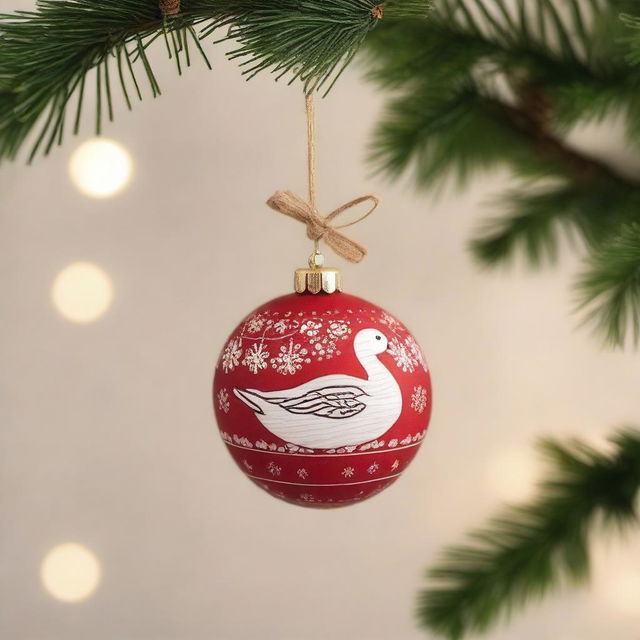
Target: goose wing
{"type": "Point", "coordinates": [327, 402]}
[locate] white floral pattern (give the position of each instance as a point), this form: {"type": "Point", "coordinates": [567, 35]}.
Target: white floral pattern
{"type": "Point", "coordinates": [416, 352]}
{"type": "Point", "coordinates": [231, 355]}
{"type": "Point", "coordinates": [255, 358]}
{"type": "Point", "coordinates": [223, 401]}
{"type": "Point", "coordinates": [290, 359]}
{"type": "Point", "coordinates": [323, 335]}
{"type": "Point", "coordinates": [311, 328]}
{"type": "Point", "coordinates": [320, 338]}
{"type": "Point", "coordinates": [374, 444]}
{"type": "Point", "coordinates": [401, 353]}
{"type": "Point", "coordinates": [419, 399]}
{"type": "Point", "coordinates": [255, 323]}
{"type": "Point", "coordinates": [338, 328]}
{"type": "Point", "coordinates": [242, 441]}
{"type": "Point", "coordinates": [292, 449]}
{"type": "Point", "coordinates": [348, 472]}
{"type": "Point", "coordinates": [281, 326]}
{"type": "Point", "coordinates": [274, 469]}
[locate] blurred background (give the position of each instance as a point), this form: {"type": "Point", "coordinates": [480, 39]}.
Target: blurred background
{"type": "Point", "coordinates": [126, 262]}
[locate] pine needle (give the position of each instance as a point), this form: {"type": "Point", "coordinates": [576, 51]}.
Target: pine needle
{"type": "Point", "coordinates": [610, 288]}
{"type": "Point", "coordinates": [484, 84]}
{"type": "Point", "coordinates": [527, 551]}
{"type": "Point", "coordinates": [43, 53]}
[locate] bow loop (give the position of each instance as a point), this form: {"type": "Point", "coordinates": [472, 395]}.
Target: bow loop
{"type": "Point", "coordinates": [319, 227]}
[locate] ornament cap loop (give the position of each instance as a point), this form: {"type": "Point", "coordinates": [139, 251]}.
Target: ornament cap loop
{"type": "Point", "coordinates": [316, 280]}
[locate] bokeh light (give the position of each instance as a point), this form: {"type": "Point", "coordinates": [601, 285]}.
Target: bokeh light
{"type": "Point", "coordinates": [82, 292]}
{"type": "Point", "coordinates": [100, 168]}
{"type": "Point", "coordinates": [512, 473]}
{"type": "Point", "coordinates": [70, 572]}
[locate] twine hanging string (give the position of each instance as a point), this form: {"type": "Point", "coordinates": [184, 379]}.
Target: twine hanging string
{"type": "Point", "coordinates": [321, 227]}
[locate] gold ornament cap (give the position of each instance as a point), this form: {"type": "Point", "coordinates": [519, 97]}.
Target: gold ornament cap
{"type": "Point", "coordinates": [317, 278]}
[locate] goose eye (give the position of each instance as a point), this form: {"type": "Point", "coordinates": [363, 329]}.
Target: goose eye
{"type": "Point", "coordinates": [378, 337]}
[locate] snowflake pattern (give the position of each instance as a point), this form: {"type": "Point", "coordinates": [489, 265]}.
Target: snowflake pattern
{"type": "Point", "coordinates": [303, 474]}
{"type": "Point", "coordinates": [290, 359]}
{"type": "Point", "coordinates": [231, 355]}
{"type": "Point", "coordinates": [401, 353]}
{"type": "Point", "coordinates": [373, 468]}
{"type": "Point", "coordinates": [416, 352]}
{"type": "Point", "coordinates": [223, 401]}
{"type": "Point", "coordinates": [267, 340]}
{"type": "Point", "coordinates": [281, 326]}
{"type": "Point", "coordinates": [255, 358]}
{"type": "Point", "coordinates": [255, 323]}
{"type": "Point", "coordinates": [395, 465]}
{"type": "Point", "coordinates": [348, 472]}
{"type": "Point", "coordinates": [274, 469]}
{"type": "Point", "coordinates": [419, 399]}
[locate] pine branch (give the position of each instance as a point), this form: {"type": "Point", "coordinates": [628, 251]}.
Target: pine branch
{"type": "Point", "coordinates": [587, 187]}
{"type": "Point", "coordinates": [611, 287]}
{"type": "Point", "coordinates": [485, 83]}
{"type": "Point", "coordinates": [460, 51]}
{"type": "Point", "coordinates": [530, 550]}
{"type": "Point", "coordinates": [45, 55]}
{"type": "Point", "coordinates": [535, 217]}
{"type": "Point", "coordinates": [633, 37]}
{"type": "Point", "coordinates": [433, 131]}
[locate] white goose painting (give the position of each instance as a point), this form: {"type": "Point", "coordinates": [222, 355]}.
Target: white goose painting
{"type": "Point", "coordinates": [335, 410]}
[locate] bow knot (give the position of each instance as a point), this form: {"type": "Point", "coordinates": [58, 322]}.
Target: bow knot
{"type": "Point", "coordinates": [320, 227]}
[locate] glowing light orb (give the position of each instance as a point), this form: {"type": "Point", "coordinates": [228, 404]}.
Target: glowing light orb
{"type": "Point", "coordinates": [100, 168]}
{"type": "Point", "coordinates": [70, 572]}
{"type": "Point", "coordinates": [82, 292]}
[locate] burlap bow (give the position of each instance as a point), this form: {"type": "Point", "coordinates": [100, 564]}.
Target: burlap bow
{"type": "Point", "coordinates": [319, 227]}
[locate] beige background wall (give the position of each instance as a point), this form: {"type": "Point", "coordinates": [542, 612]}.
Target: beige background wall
{"type": "Point", "coordinates": [107, 436]}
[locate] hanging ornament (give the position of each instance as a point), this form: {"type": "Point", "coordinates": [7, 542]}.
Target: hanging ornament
{"type": "Point", "coordinates": [322, 398]}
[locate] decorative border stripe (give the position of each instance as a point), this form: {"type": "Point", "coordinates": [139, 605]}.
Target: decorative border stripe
{"type": "Point", "coordinates": [339, 484]}
{"type": "Point", "coordinates": [322, 455]}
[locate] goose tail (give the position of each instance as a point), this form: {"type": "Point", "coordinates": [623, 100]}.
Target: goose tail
{"type": "Point", "coordinates": [251, 398]}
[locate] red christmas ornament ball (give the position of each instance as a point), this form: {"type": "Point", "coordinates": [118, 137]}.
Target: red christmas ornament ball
{"type": "Point", "coordinates": [322, 400]}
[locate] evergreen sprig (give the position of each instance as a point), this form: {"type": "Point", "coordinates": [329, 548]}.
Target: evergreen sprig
{"type": "Point", "coordinates": [528, 550]}
{"type": "Point", "coordinates": [611, 287]}
{"type": "Point", "coordinates": [487, 83]}
{"type": "Point", "coordinates": [47, 54]}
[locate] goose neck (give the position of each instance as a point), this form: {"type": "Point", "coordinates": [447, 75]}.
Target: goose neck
{"type": "Point", "coordinates": [372, 365]}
